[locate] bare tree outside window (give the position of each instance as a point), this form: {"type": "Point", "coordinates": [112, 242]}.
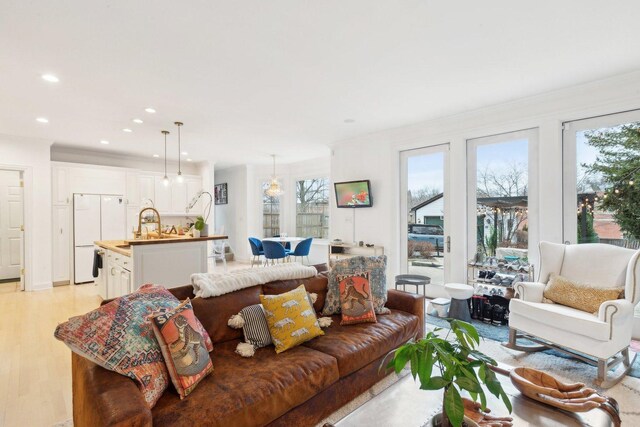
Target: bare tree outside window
{"type": "Point", "coordinates": [270, 213]}
{"type": "Point", "coordinates": [312, 208]}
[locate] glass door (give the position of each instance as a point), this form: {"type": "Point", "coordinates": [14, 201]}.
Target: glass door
{"type": "Point", "coordinates": [502, 203]}
{"type": "Point", "coordinates": [423, 209]}
{"type": "Point", "coordinates": [601, 167]}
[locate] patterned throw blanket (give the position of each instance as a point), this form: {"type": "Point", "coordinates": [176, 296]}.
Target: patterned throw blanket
{"type": "Point", "coordinates": [206, 285]}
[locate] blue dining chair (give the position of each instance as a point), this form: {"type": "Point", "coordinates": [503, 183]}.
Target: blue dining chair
{"type": "Point", "coordinates": [302, 249]}
{"type": "Point", "coordinates": [274, 251]}
{"type": "Point", "coordinates": [256, 250]}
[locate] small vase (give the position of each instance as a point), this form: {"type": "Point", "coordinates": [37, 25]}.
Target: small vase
{"type": "Point", "coordinates": [196, 233]}
{"type": "Point", "coordinates": [436, 421]}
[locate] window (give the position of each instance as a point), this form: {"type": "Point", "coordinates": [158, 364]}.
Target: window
{"type": "Point", "coordinates": [312, 208]}
{"type": "Point", "coordinates": [602, 166]}
{"type": "Point", "coordinates": [499, 208]}
{"type": "Point", "coordinates": [270, 213]}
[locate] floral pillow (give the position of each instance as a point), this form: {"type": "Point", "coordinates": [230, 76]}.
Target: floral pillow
{"type": "Point", "coordinates": [119, 337]}
{"type": "Point", "coordinates": [375, 266]}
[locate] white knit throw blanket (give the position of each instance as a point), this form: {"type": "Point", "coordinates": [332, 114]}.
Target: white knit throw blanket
{"type": "Point", "coordinates": [206, 285]}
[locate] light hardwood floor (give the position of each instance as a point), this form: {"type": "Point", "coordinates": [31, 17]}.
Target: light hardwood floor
{"type": "Point", "coordinates": [35, 368]}
{"type": "Point", "coordinates": [35, 372]}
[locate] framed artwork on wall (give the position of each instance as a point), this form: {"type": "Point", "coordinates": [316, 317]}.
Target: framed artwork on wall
{"type": "Point", "coordinates": [220, 194]}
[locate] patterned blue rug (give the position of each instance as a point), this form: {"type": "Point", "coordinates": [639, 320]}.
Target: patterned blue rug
{"type": "Point", "coordinates": [501, 334]}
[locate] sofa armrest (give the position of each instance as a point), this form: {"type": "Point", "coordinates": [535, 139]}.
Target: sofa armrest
{"type": "Point", "coordinates": [616, 311]}
{"type": "Point", "coordinates": [530, 291]}
{"type": "Point", "coordinates": [105, 398]}
{"type": "Point", "coordinates": [410, 303]}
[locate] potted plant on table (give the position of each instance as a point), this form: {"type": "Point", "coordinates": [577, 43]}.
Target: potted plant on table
{"type": "Point", "coordinates": [199, 227]}
{"type": "Point", "coordinates": [453, 365]}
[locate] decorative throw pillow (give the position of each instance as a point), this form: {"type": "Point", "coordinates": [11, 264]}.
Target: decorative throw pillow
{"type": "Point", "coordinates": [183, 347]}
{"type": "Point", "coordinates": [291, 318]}
{"type": "Point", "coordinates": [255, 327]}
{"type": "Point", "coordinates": [119, 337]}
{"type": "Point", "coordinates": [376, 266]}
{"type": "Point", "coordinates": [582, 296]}
{"type": "Point", "coordinates": [355, 299]}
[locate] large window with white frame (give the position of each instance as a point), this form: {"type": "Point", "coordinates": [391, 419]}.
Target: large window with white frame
{"type": "Point", "coordinates": [601, 178]}
{"type": "Point", "coordinates": [502, 196]}
{"type": "Point", "coordinates": [312, 208]}
{"type": "Point", "coordinates": [270, 213]}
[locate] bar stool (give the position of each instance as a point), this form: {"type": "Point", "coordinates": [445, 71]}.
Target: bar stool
{"type": "Point", "coordinates": [460, 294]}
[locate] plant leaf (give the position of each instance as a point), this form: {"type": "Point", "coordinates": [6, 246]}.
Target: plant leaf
{"type": "Point", "coordinates": [415, 364]}
{"type": "Point", "coordinates": [468, 384]}
{"type": "Point", "coordinates": [434, 383]}
{"type": "Point", "coordinates": [505, 399]}
{"type": "Point", "coordinates": [453, 406]}
{"type": "Point", "coordinates": [402, 356]}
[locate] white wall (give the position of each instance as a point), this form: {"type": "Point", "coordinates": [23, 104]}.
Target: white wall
{"type": "Point", "coordinates": [233, 216]}
{"type": "Point", "coordinates": [33, 156]}
{"type": "Point", "coordinates": [378, 155]}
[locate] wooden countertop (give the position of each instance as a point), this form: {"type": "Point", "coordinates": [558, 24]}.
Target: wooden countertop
{"type": "Point", "coordinates": [123, 247]}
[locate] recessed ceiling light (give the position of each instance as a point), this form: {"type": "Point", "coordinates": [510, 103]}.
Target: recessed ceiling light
{"type": "Point", "coordinates": [150, 110]}
{"type": "Point", "coordinates": [156, 155]}
{"type": "Point", "coordinates": [42, 120]}
{"type": "Point", "coordinates": [189, 160]}
{"type": "Point", "coordinates": [50, 78]}
{"type": "Point", "coordinates": [349, 120]}
{"type": "Point", "coordinates": [127, 130]}
{"type": "Point", "coordinates": [137, 121]}
{"type": "Point", "coordinates": [104, 141]}
{"type": "Point", "coordinates": [184, 153]}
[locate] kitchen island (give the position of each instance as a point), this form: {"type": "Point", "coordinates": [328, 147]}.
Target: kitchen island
{"type": "Point", "coordinates": [168, 261]}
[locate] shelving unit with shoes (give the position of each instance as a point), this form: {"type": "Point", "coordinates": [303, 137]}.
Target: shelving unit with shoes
{"type": "Point", "coordinates": [492, 275]}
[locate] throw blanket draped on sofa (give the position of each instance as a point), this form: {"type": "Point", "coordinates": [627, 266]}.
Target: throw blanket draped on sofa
{"type": "Point", "coordinates": [206, 285]}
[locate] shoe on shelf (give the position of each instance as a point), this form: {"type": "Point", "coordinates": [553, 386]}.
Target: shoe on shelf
{"type": "Point", "coordinates": [497, 316]}
{"type": "Point", "coordinates": [487, 311]}
{"type": "Point", "coordinates": [490, 275]}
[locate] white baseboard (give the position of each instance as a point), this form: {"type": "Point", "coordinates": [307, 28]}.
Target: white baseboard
{"type": "Point", "coordinates": [41, 286]}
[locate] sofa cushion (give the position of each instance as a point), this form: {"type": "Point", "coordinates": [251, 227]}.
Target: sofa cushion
{"type": "Point", "coordinates": [354, 346]}
{"type": "Point", "coordinates": [582, 296]}
{"type": "Point", "coordinates": [214, 312]}
{"type": "Point", "coordinates": [249, 391]}
{"type": "Point", "coordinates": [317, 285]}
{"type": "Point", "coordinates": [562, 317]}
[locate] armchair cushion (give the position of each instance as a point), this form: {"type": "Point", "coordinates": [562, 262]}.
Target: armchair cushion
{"type": "Point", "coordinates": [561, 318]}
{"type": "Point", "coordinates": [582, 296]}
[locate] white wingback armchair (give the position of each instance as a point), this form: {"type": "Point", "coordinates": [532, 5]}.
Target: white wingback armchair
{"type": "Point", "coordinates": [603, 338]}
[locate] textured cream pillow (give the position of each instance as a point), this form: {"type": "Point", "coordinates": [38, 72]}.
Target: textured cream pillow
{"type": "Point", "coordinates": [582, 296]}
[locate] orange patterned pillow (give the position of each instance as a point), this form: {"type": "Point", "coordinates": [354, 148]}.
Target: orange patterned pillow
{"type": "Point", "coordinates": [183, 346]}
{"type": "Point", "coordinates": [356, 302]}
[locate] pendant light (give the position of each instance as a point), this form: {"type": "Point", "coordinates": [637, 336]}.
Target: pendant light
{"type": "Point", "coordinates": [165, 180]}
{"type": "Point", "coordinates": [179, 178]}
{"type": "Point", "coordinates": [274, 189]}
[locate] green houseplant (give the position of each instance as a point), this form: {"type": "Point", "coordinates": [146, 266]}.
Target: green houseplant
{"type": "Point", "coordinates": [199, 225]}
{"type": "Point", "coordinates": [452, 365]}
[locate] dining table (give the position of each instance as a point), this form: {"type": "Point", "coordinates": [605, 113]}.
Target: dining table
{"type": "Point", "coordinates": [284, 240]}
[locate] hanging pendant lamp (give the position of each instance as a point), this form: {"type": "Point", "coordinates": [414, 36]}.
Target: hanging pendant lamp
{"type": "Point", "coordinates": [179, 178]}
{"type": "Point", "coordinates": [165, 180]}
{"type": "Point", "coordinates": [274, 189]}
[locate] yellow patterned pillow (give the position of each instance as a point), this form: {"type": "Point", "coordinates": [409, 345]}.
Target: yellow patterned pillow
{"type": "Point", "coordinates": [577, 295]}
{"type": "Point", "coordinates": [291, 318]}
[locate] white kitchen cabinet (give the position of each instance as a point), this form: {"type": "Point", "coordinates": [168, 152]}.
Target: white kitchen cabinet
{"type": "Point", "coordinates": [178, 196]}
{"type": "Point", "coordinates": [60, 186]}
{"type": "Point", "coordinates": [146, 187]}
{"type": "Point", "coordinates": [133, 188]}
{"type": "Point", "coordinates": [193, 186]}
{"type": "Point", "coordinates": [163, 195]}
{"type": "Point", "coordinates": [125, 282]}
{"type": "Point", "coordinates": [61, 243]}
{"type": "Point", "coordinates": [132, 220]}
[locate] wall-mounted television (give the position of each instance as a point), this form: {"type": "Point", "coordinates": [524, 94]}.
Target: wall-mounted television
{"type": "Point", "coordinates": [353, 194]}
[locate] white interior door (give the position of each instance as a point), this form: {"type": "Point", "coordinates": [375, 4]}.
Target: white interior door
{"type": "Point", "coordinates": [11, 244]}
{"type": "Point", "coordinates": [424, 207]}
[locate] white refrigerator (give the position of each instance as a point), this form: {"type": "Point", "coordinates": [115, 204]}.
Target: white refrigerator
{"type": "Point", "coordinates": [95, 217]}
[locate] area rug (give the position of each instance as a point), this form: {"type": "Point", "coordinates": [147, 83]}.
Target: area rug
{"type": "Point", "coordinates": [501, 334]}
{"type": "Point", "coordinates": [626, 392]}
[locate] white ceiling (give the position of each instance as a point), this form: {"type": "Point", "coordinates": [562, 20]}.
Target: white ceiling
{"type": "Point", "coordinates": [249, 78]}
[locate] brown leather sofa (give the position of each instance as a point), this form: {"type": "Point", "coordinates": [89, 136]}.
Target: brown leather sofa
{"type": "Point", "coordinates": [299, 387]}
